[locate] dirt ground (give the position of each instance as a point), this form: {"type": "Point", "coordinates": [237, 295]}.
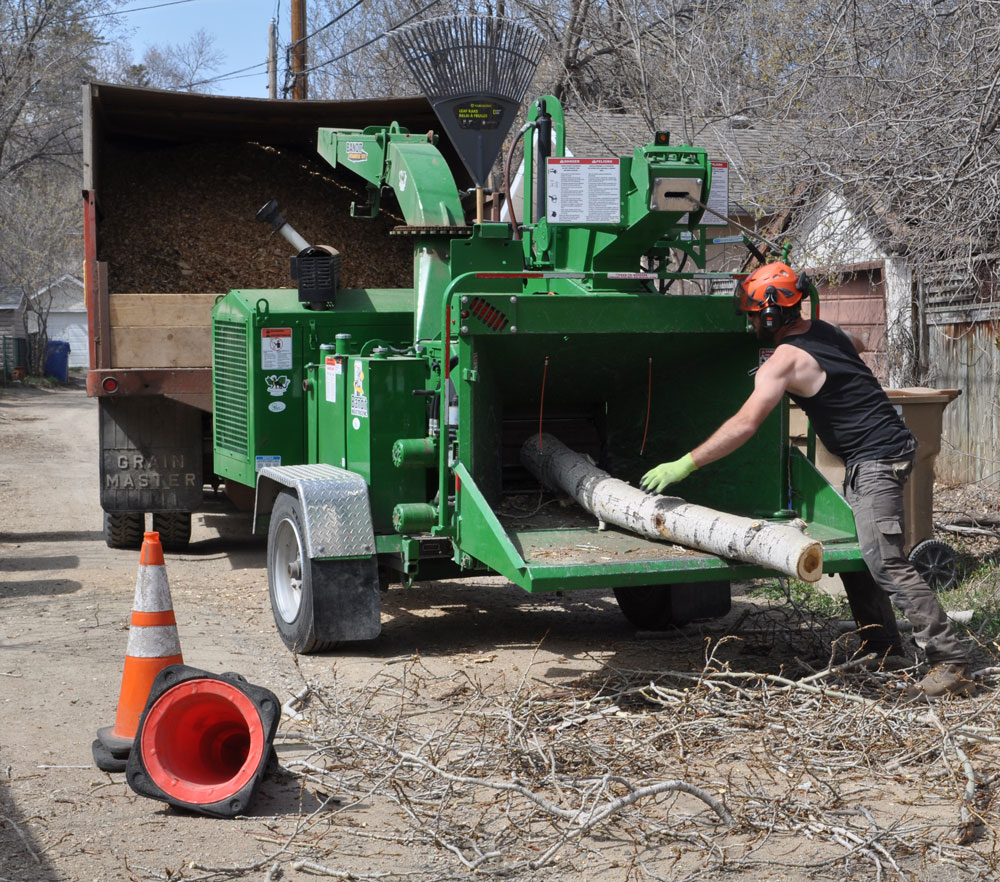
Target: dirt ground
{"type": "Point", "coordinates": [486, 733]}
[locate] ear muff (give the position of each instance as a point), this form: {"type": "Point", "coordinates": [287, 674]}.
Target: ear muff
{"type": "Point", "coordinates": [770, 315]}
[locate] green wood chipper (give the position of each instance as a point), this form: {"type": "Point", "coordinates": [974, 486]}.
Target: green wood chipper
{"type": "Point", "coordinates": [382, 428]}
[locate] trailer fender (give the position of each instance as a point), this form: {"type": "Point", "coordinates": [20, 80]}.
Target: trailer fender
{"type": "Point", "coordinates": [335, 507]}
{"type": "Point", "coordinates": [322, 571]}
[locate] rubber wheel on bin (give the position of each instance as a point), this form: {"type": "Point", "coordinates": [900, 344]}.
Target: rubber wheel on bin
{"type": "Point", "coordinates": [123, 529]}
{"type": "Point", "coordinates": [937, 563]}
{"type": "Point", "coordinates": [174, 528]}
{"type": "Point", "coordinates": [660, 607]}
{"type": "Point", "coordinates": [290, 577]}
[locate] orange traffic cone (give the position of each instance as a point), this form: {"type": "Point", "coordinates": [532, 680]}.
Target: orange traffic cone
{"type": "Point", "coordinates": [153, 644]}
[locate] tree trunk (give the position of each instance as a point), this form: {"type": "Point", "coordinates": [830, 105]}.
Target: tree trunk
{"type": "Point", "coordinates": [778, 546]}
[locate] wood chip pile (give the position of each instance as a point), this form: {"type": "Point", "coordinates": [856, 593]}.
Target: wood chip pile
{"type": "Point", "coordinates": [180, 219]}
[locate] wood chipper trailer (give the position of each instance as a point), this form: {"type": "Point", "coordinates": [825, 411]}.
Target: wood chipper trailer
{"type": "Point", "coordinates": [382, 428]}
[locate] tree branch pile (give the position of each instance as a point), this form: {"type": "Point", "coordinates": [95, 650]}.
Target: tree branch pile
{"type": "Point", "coordinates": [669, 773]}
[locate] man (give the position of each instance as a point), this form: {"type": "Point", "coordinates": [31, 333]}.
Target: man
{"type": "Point", "coordinates": [818, 365]}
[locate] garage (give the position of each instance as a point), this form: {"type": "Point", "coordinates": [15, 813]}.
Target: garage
{"type": "Point", "coordinates": [67, 319]}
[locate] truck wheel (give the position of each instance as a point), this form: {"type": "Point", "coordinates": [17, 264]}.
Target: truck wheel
{"type": "Point", "coordinates": [937, 563]}
{"type": "Point", "coordinates": [659, 607]}
{"type": "Point", "coordinates": [290, 575]}
{"type": "Point", "coordinates": [174, 528]}
{"type": "Point", "coordinates": [123, 529]}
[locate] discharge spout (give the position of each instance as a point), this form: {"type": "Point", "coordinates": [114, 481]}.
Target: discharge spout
{"type": "Point", "coordinates": [271, 214]}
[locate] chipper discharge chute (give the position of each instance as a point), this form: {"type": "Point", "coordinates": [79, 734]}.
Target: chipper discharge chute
{"type": "Point", "coordinates": [384, 429]}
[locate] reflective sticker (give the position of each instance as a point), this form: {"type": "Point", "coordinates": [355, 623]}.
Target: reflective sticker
{"type": "Point", "coordinates": [332, 369]}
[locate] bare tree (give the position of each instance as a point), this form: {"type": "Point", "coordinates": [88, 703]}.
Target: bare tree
{"type": "Point", "coordinates": [892, 105]}
{"type": "Point", "coordinates": [47, 48]}
{"type": "Point", "coordinates": [42, 241]}
{"type": "Point", "coordinates": [180, 67]}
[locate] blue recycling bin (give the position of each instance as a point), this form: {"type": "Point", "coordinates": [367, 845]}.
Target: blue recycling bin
{"type": "Point", "coordinates": [57, 360]}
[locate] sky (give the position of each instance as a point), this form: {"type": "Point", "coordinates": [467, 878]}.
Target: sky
{"type": "Point", "coordinates": [238, 26]}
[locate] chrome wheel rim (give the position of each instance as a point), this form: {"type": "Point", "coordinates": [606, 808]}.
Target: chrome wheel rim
{"type": "Point", "coordinates": [287, 570]}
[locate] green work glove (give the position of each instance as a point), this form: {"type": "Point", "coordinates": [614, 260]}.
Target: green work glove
{"type": "Point", "coordinates": [655, 480]}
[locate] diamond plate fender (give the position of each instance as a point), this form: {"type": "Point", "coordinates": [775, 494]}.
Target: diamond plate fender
{"type": "Point", "coordinates": [338, 518]}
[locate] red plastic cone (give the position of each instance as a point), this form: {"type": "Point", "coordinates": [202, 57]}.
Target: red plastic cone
{"type": "Point", "coordinates": [153, 644]}
{"type": "Point", "coordinates": [204, 741]}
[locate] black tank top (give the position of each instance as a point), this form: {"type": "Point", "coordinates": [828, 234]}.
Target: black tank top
{"type": "Point", "coordinates": [851, 413]}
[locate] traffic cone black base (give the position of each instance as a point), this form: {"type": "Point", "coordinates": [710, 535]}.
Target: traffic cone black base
{"type": "Point", "coordinates": [204, 741]}
{"type": "Point", "coordinates": [114, 744]}
{"type": "Point", "coordinates": [105, 760]}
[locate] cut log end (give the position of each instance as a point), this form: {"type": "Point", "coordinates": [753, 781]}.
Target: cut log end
{"type": "Point", "coordinates": [810, 564]}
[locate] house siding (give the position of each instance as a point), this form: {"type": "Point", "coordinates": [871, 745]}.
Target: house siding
{"type": "Point", "coordinates": [858, 306]}
{"type": "Point", "coordinates": [12, 322]}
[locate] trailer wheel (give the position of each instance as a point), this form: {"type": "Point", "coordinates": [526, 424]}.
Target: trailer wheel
{"type": "Point", "coordinates": [937, 563]}
{"type": "Point", "coordinates": [290, 577]}
{"type": "Point", "coordinates": [174, 528]}
{"type": "Point", "coordinates": [659, 607]}
{"type": "Point", "coordinates": [123, 529]}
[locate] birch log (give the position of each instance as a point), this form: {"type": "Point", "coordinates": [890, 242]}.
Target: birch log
{"type": "Point", "coordinates": [779, 546]}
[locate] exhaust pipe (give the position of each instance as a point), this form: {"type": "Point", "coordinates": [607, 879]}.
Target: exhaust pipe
{"type": "Point", "coordinates": [316, 268]}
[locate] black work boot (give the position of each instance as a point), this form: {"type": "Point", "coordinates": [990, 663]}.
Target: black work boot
{"type": "Point", "coordinates": [943, 679]}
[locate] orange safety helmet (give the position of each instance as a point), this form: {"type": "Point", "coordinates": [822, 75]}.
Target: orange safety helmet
{"type": "Point", "coordinates": [772, 290]}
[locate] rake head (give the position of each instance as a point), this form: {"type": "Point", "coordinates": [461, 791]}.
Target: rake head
{"type": "Point", "coordinates": [474, 69]}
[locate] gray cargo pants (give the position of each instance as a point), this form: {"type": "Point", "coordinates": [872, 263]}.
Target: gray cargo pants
{"type": "Point", "coordinates": [874, 490]}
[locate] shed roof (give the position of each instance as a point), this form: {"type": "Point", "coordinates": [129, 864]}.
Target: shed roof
{"type": "Point", "coordinates": [11, 296]}
{"type": "Point", "coordinates": [735, 140]}
{"type": "Point", "coordinates": [67, 294]}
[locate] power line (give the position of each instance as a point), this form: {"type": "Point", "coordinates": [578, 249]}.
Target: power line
{"type": "Point", "coordinates": [13, 29]}
{"type": "Point", "coordinates": [332, 21]}
{"type": "Point", "coordinates": [136, 9]}
{"type": "Point", "coordinates": [226, 76]}
{"type": "Point", "coordinates": [398, 24]}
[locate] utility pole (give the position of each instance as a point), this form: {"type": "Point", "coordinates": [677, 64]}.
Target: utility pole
{"type": "Point", "coordinates": [272, 60]}
{"type": "Point", "coordinates": [299, 90]}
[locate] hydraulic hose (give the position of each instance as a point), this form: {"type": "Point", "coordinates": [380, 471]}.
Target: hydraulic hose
{"type": "Point", "coordinates": [506, 176]}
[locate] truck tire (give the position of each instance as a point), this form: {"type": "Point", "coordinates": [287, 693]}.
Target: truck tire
{"type": "Point", "coordinates": [174, 528]}
{"type": "Point", "coordinates": [317, 604]}
{"type": "Point", "coordinates": [937, 563]}
{"type": "Point", "coordinates": [123, 529]}
{"type": "Point", "coordinates": [660, 607]}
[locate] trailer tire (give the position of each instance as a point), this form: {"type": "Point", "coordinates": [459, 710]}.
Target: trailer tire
{"type": "Point", "coordinates": [123, 529]}
{"type": "Point", "coordinates": [290, 577]}
{"type": "Point", "coordinates": [174, 528]}
{"type": "Point", "coordinates": [661, 607]}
